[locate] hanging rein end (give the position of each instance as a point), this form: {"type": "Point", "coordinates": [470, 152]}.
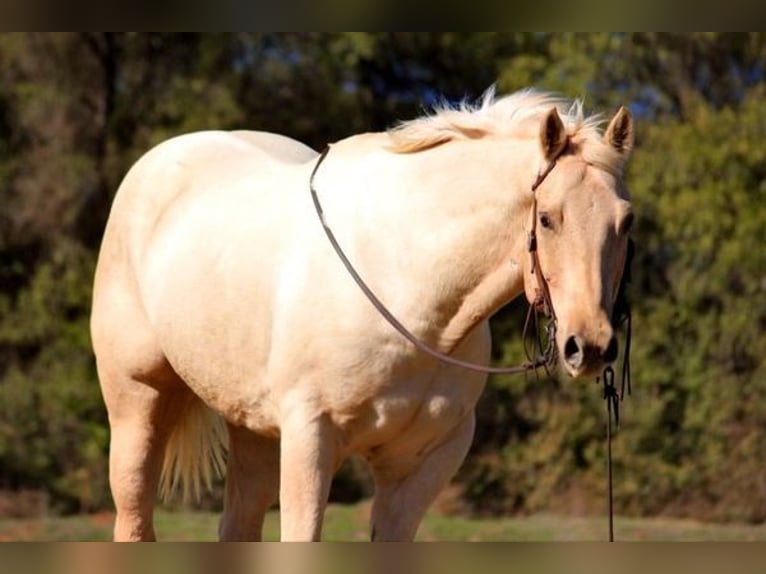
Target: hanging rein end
{"type": "Point", "coordinates": [611, 395]}
{"type": "Point", "coordinates": [621, 315]}
{"type": "Point", "coordinates": [624, 317]}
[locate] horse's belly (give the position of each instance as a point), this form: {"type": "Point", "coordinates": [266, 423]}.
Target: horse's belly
{"type": "Point", "coordinates": [245, 403]}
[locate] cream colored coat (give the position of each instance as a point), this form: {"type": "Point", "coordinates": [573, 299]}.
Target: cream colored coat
{"type": "Point", "coordinates": [217, 292]}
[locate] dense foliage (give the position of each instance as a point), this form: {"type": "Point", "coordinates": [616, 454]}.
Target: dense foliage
{"type": "Point", "coordinates": [77, 109]}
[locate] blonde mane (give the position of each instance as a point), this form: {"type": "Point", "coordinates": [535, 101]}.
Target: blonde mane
{"type": "Point", "coordinates": [514, 115]}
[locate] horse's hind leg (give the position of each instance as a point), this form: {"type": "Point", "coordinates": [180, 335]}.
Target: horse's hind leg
{"type": "Point", "coordinates": [141, 418]}
{"type": "Point", "coordinates": [401, 501]}
{"type": "Point", "coordinates": [252, 484]}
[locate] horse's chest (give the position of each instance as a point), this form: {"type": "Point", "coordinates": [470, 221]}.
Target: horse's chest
{"type": "Point", "coordinates": [409, 412]}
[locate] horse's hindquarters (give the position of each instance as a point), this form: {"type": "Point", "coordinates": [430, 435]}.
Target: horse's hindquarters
{"type": "Point", "coordinates": [147, 325]}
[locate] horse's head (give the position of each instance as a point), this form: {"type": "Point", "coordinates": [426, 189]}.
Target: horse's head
{"type": "Point", "coordinates": [582, 221]}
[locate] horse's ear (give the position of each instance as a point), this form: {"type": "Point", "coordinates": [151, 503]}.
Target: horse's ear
{"type": "Point", "coordinates": [619, 134]}
{"type": "Point", "coordinates": [553, 135]}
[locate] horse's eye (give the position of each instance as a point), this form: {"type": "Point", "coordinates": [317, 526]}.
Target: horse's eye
{"type": "Point", "coordinates": [545, 221]}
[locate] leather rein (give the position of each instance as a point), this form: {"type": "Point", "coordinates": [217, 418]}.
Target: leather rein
{"type": "Point", "coordinates": [547, 354]}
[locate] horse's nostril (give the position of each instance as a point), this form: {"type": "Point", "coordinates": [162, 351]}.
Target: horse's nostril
{"type": "Point", "coordinates": [573, 352]}
{"type": "Point", "coordinates": [610, 355]}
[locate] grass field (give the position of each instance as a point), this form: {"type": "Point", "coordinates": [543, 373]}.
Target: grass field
{"type": "Point", "coordinates": [349, 523]}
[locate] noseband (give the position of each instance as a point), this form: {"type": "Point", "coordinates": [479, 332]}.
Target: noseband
{"type": "Point", "coordinates": [546, 354]}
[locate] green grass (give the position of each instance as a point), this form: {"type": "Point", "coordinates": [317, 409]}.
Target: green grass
{"type": "Point", "coordinates": [349, 523]}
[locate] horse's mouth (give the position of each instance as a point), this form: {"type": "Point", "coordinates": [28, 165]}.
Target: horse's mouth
{"type": "Point", "coordinates": [584, 371]}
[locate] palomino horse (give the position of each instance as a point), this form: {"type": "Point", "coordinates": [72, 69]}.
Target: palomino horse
{"type": "Point", "coordinates": [224, 321]}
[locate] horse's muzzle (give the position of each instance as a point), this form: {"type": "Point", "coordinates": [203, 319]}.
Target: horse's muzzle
{"type": "Point", "coordinates": [584, 358]}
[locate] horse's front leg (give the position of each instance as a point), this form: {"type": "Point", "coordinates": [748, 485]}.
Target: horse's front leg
{"type": "Point", "coordinates": [307, 462]}
{"type": "Point", "coordinates": [401, 501]}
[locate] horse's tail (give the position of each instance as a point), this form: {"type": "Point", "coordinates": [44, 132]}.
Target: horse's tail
{"type": "Point", "coordinates": [194, 454]}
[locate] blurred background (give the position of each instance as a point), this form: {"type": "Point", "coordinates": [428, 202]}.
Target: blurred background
{"type": "Point", "coordinates": [76, 110]}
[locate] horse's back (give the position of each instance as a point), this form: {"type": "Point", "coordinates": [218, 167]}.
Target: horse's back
{"type": "Point", "coordinates": [189, 163]}
{"type": "Point", "coordinates": [278, 146]}
{"type": "Point", "coordinates": [194, 160]}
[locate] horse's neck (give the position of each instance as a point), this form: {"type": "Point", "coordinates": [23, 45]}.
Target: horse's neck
{"type": "Point", "coordinates": [447, 227]}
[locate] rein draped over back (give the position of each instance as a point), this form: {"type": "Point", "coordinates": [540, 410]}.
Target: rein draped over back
{"type": "Point", "coordinates": [620, 316]}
